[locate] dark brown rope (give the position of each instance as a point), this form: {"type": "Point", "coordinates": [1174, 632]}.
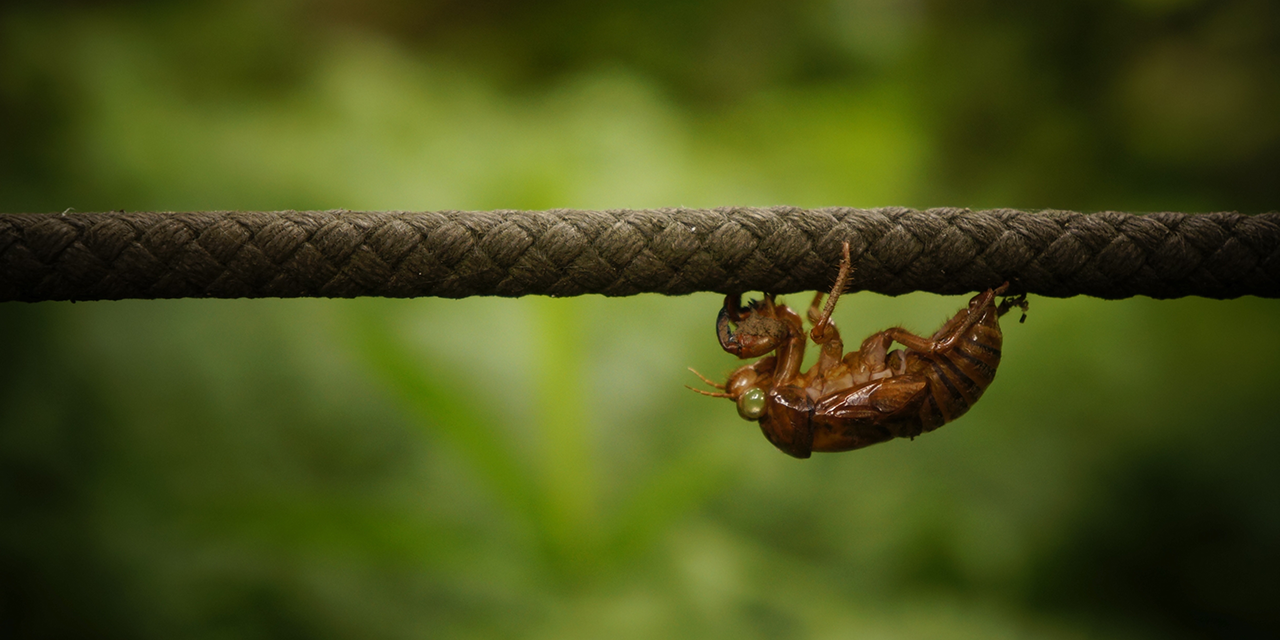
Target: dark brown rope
{"type": "Point", "coordinates": [453, 254]}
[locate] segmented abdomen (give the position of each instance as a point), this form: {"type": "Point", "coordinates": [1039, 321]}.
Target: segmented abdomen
{"type": "Point", "coordinates": [958, 377]}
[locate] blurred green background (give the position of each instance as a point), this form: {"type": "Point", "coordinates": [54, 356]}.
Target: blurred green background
{"type": "Point", "coordinates": [534, 467]}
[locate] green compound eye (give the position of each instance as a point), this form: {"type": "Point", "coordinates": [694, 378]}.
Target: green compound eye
{"type": "Point", "coordinates": [751, 404]}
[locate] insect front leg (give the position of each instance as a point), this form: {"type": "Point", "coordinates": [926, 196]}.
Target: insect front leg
{"type": "Point", "coordinates": [759, 330]}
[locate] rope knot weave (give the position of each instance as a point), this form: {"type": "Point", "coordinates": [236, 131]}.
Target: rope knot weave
{"type": "Point", "coordinates": [562, 252]}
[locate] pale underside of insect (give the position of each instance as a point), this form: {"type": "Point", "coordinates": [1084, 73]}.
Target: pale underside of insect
{"type": "Point", "coordinates": [849, 401]}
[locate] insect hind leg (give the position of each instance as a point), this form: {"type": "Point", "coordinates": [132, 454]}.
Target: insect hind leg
{"type": "Point", "coordinates": [949, 335]}
{"type": "Point", "coordinates": [1019, 301]}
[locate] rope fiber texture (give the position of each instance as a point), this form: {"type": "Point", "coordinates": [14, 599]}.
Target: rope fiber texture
{"type": "Point", "coordinates": [454, 254]}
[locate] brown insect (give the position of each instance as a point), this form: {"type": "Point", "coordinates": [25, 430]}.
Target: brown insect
{"type": "Point", "coordinates": [850, 401]}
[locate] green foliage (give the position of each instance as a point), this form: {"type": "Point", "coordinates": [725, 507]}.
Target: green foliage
{"type": "Point", "coordinates": [533, 467]}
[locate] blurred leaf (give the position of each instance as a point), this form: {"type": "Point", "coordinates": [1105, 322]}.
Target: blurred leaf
{"type": "Point", "coordinates": [443, 405]}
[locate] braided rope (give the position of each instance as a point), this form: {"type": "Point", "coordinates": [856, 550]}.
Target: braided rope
{"type": "Point", "coordinates": [453, 254]}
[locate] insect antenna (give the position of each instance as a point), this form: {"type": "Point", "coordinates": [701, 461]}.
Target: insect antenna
{"type": "Point", "coordinates": [721, 394]}
{"type": "Point", "coordinates": [704, 379]}
{"type": "Point", "coordinates": [708, 393]}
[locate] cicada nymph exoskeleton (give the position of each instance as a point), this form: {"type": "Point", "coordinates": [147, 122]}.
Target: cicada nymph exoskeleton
{"type": "Point", "coordinates": [852, 400]}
